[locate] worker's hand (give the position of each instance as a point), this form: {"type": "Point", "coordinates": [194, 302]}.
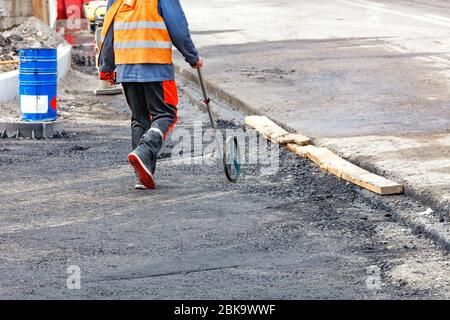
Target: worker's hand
{"type": "Point", "coordinates": [109, 77]}
{"type": "Point", "coordinates": [199, 64]}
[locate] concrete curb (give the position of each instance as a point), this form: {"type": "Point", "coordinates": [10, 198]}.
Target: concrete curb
{"type": "Point", "coordinates": [9, 81]}
{"type": "Point", "coordinates": [33, 130]}
{"type": "Point", "coordinates": [409, 190]}
{"type": "Point", "coordinates": [225, 96]}
{"type": "Point", "coordinates": [433, 227]}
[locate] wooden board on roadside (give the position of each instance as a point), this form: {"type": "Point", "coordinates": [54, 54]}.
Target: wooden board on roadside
{"type": "Point", "coordinates": [329, 161]}
{"type": "Point", "coordinates": [296, 138]}
{"type": "Point", "coordinates": [273, 132]}
{"type": "Point", "coordinates": [9, 62]}
{"type": "Point", "coordinates": [269, 129]}
{"type": "Point", "coordinates": [41, 10]}
{"type": "Point", "coordinates": [324, 157]}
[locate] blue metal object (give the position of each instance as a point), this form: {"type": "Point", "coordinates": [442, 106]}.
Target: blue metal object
{"type": "Point", "coordinates": [38, 78]}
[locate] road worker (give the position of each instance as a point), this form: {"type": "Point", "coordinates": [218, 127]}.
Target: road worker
{"type": "Point", "coordinates": [136, 50]}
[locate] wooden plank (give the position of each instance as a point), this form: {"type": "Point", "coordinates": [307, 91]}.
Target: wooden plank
{"type": "Point", "coordinates": [323, 157]}
{"type": "Point", "coordinates": [269, 129]}
{"type": "Point", "coordinates": [346, 170]}
{"type": "Point", "coordinates": [9, 62]}
{"type": "Point", "coordinates": [37, 8]}
{"type": "Point", "coordinates": [41, 10]}
{"type": "Point", "coordinates": [295, 138]}
{"type": "Point", "coordinates": [46, 12]}
{"type": "Point", "coordinates": [299, 150]}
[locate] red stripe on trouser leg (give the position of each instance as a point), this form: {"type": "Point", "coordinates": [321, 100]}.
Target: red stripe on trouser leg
{"type": "Point", "coordinates": [170, 92]}
{"type": "Point", "coordinates": [171, 97]}
{"type": "Point", "coordinates": [172, 125]}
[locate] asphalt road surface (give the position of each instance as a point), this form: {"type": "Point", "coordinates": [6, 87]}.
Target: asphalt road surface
{"type": "Point", "coordinates": [367, 79]}
{"type": "Point", "coordinates": [294, 233]}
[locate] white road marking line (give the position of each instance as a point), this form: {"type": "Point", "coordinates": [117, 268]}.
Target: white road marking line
{"type": "Point", "coordinates": [429, 59]}
{"type": "Point", "coordinates": [433, 16]}
{"type": "Point", "coordinates": [370, 5]}
{"type": "Point", "coordinates": [394, 48]}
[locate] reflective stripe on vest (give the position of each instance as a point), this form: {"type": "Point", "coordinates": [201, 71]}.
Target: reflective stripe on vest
{"type": "Point", "coordinates": [143, 45]}
{"type": "Point", "coordinates": [139, 25]}
{"type": "Point", "coordinates": [140, 34]}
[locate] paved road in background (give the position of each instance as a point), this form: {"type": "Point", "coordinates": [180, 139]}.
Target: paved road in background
{"type": "Point", "coordinates": [293, 233]}
{"type": "Point", "coordinates": [368, 79]}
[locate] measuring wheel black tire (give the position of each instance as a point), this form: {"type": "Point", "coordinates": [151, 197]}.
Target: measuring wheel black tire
{"type": "Point", "coordinates": [232, 159]}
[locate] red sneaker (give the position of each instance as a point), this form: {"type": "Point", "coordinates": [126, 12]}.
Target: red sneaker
{"type": "Point", "coordinates": [143, 171]}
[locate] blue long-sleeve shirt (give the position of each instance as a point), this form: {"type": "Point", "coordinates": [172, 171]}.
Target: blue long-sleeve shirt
{"type": "Point", "coordinates": [177, 26]}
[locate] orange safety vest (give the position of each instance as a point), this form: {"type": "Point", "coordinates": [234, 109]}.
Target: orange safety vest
{"type": "Point", "coordinates": [140, 34]}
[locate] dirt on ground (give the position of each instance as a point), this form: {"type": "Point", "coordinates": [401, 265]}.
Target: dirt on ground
{"type": "Point", "coordinates": [294, 233]}
{"type": "Point", "coordinates": [9, 109]}
{"type": "Point", "coordinates": [31, 34]}
{"type": "Point", "coordinates": [71, 104]}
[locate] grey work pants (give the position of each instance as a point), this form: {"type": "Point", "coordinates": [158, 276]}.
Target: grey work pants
{"type": "Point", "coordinates": [153, 112]}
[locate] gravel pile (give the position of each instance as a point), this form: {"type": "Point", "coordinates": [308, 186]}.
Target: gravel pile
{"type": "Point", "coordinates": [31, 34]}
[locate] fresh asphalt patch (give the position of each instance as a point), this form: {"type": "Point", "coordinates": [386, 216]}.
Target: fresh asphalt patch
{"type": "Point", "coordinates": [295, 232]}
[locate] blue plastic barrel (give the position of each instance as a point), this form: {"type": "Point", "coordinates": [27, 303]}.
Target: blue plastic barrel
{"type": "Point", "coordinates": [38, 78]}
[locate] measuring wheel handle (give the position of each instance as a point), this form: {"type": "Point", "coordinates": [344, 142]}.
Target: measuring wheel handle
{"type": "Point", "coordinates": [230, 152]}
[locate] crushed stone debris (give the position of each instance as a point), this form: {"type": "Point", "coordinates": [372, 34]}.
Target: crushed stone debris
{"type": "Point", "coordinates": [33, 33]}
